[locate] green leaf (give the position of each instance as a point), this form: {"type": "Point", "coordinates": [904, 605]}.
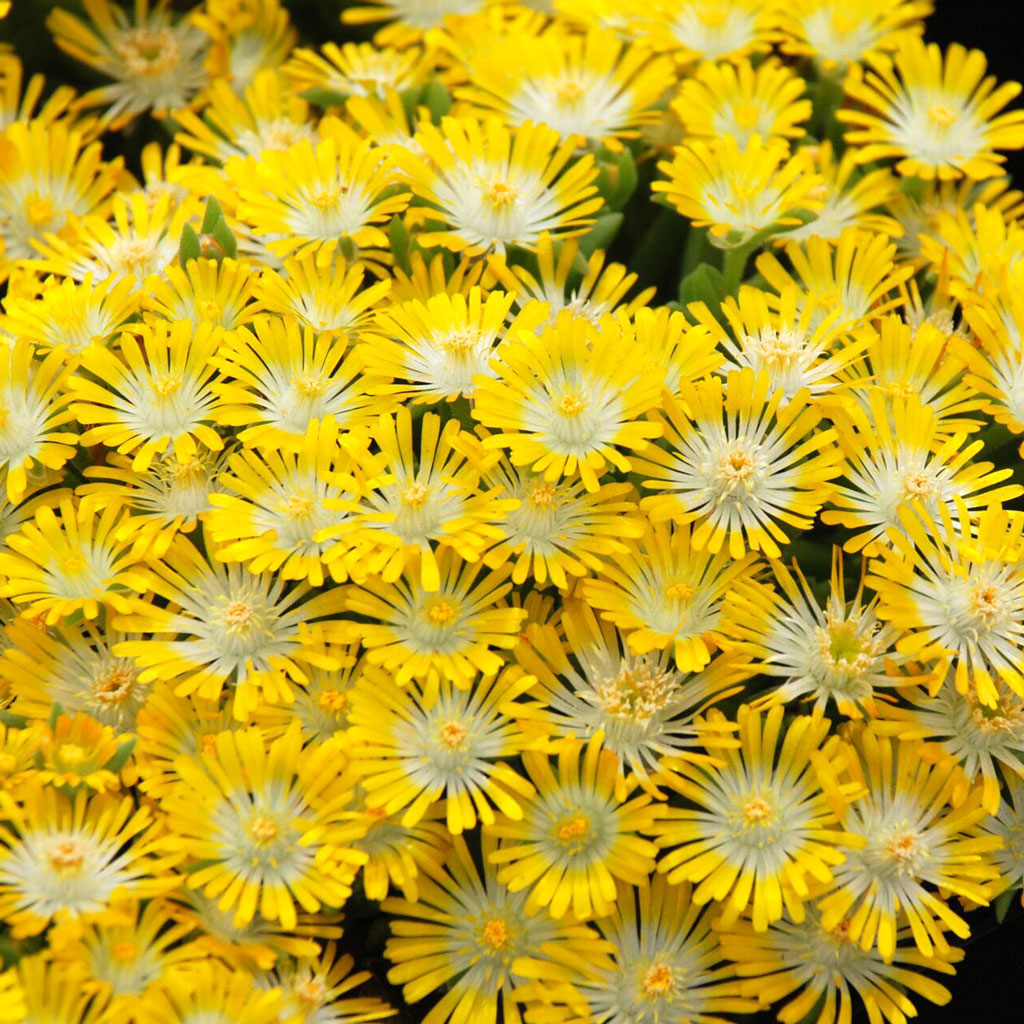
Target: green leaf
{"type": "Point", "coordinates": [323, 97]}
{"type": "Point", "coordinates": [222, 233]}
{"type": "Point", "coordinates": [213, 215]}
{"type": "Point", "coordinates": [398, 236]}
{"type": "Point", "coordinates": [601, 235]}
{"type": "Point", "coordinates": [13, 721]}
{"type": "Point", "coordinates": [1002, 904]}
{"type": "Point", "coordinates": [189, 247]}
{"type": "Point", "coordinates": [616, 179]}
{"type": "Point", "coordinates": [120, 758]}
{"type": "Point", "coordinates": [437, 99]}
{"type": "Point", "coordinates": [704, 284]}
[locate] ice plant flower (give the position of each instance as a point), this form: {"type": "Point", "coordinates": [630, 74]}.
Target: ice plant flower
{"type": "Point", "coordinates": [765, 822]}
{"type": "Point", "coordinates": [490, 187]}
{"type": "Point", "coordinates": [564, 403]}
{"type": "Point", "coordinates": [739, 463]}
{"type": "Point", "coordinates": [263, 825]}
{"type": "Point", "coordinates": [939, 116]}
{"type": "Point", "coordinates": [577, 835]}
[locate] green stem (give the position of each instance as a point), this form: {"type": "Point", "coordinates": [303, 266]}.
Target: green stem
{"type": "Point", "coordinates": [734, 265]}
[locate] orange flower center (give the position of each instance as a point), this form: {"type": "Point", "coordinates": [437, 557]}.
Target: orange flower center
{"type": "Point", "coordinates": [500, 194]}
{"type": "Point", "coordinates": [333, 700]}
{"type": "Point", "coordinates": [264, 829]}
{"type": "Point", "coordinates": [572, 404]}
{"type": "Point", "coordinates": [38, 210]}
{"type": "Point", "coordinates": [311, 992]}
{"type": "Point", "coordinates": [442, 613]}
{"type": "Point", "coordinates": [570, 91]}
{"type": "Point", "coordinates": [495, 934]}
{"type": "Point", "coordinates": [942, 115]}
{"type": "Point", "coordinates": [238, 616]}
{"type": "Point", "coordinates": [679, 591]}
{"type": "Point", "coordinates": [543, 495]}
{"type": "Point", "coordinates": [167, 384]}
{"type": "Point", "coordinates": [902, 847]}
{"type": "Point", "coordinates": [574, 832]}
{"type": "Point", "coordinates": [124, 951]}
{"type": "Point", "coordinates": [918, 485]}
{"type": "Point", "coordinates": [66, 855]}
{"type": "Point", "coordinates": [453, 734]}
{"type": "Point", "coordinates": [415, 495]}
{"type": "Point", "coordinates": [757, 811]}
{"type": "Point", "coordinates": [658, 980]}
{"type": "Point", "coordinates": [986, 601]}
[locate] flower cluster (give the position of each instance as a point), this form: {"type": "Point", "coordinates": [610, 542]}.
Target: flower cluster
{"type": "Point", "coordinates": [514, 516]}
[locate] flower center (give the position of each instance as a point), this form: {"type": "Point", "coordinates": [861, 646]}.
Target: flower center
{"type": "Point", "coordinates": [573, 832]}
{"type": "Point", "coordinates": [310, 385]}
{"type": "Point", "coordinates": [124, 951]}
{"type": "Point", "coordinates": [148, 52]}
{"type": "Point", "coordinates": [327, 198]}
{"type": "Point", "coordinates": [459, 342]}
{"type": "Point", "coordinates": [745, 114]}
{"type": "Point", "coordinates": [167, 384]}
{"type": "Point", "coordinates": [679, 591]}
{"type": "Point", "coordinates": [543, 496]}
{"type": "Point", "coordinates": [902, 846]}
{"type": "Point", "coordinates": [658, 980]}
{"type": "Point", "coordinates": [918, 484]}
{"type": "Point", "coordinates": [453, 735]}
{"type": "Point", "coordinates": [238, 617]}
{"type": "Point", "coordinates": [757, 811]}
{"type": "Point", "coordinates": [74, 565]}
{"type": "Point", "coordinates": [986, 601]}
{"type": "Point", "coordinates": [778, 348]}
{"type": "Point", "coordinates": [310, 992]}
{"type": "Point", "coordinates": [299, 506]}
{"type": "Point", "coordinates": [66, 856]}
{"type": "Point", "coordinates": [71, 755]}
{"type": "Point", "coordinates": [500, 194]}
{"type": "Point", "coordinates": [415, 495]}
{"type": "Point", "coordinates": [637, 693]}
{"type": "Point", "coordinates": [208, 309]}
{"type": "Point", "coordinates": [495, 934]}
{"type": "Point", "coordinates": [569, 91]}
{"type": "Point", "coordinates": [264, 830]}
{"type": "Point", "coordinates": [737, 465]}
{"type": "Point", "coordinates": [38, 210]}
{"type": "Point", "coordinates": [900, 389]}
{"type": "Point", "coordinates": [572, 403]}
{"type": "Point", "coordinates": [333, 700]}
{"type": "Point", "coordinates": [441, 613]}
{"type": "Point", "coordinates": [942, 115]}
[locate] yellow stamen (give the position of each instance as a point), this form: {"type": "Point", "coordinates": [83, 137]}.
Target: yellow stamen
{"type": "Point", "coordinates": [495, 934]}
{"type": "Point", "coordinates": [66, 856]}
{"type": "Point", "coordinates": [238, 616]}
{"type": "Point", "coordinates": [658, 980]}
{"type": "Point", "coordinates": [167, 384]}
{"type": "Point", "coordinates": [264, 829]}
{"type": "Point", "coordinates": [757, 811]}
{"type": "Point", "coordinates": [543, 495]}
{"type": "Point", "coordinates": [415, 495]}
{"type": "Point", "coordinates": [453, 734]}
{"type": "Point", "coordinates": [333, 700]}
{"type": "Point", "coordinates": [572, 404]}
{"type": "Point", "coordinates": [442, 613]}
{"type": "Point", "coordinates": [500, 194]}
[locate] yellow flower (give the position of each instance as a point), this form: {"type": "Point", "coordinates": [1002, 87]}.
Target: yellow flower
{"type": "Point", "coordinates": [80, 560]}
{"type": "Point", "coordinates": [222, 625]}
{"type": "Point", "coordinates": [55, 991]}
{"type": "Point", "coordinates": [939, 116]}
{"type": "Point", "coordinates": [577, 836]}
{"type": "Point", "coordinates": [156, 61]}
{"type": "Point", "coordinates": [914, 843]}
{"type": "Point", "coordinates": [682, 351]}
{"type": "Point", "coordinates": [33, 407]}
{"type": "Point", "coordinates": [248, 37]}
{"type": "Point", "coordinates": [710, 29]}
{"type": "Point", "coordinates": [213, 991]}
{"type": "Point", "coordinates": [205, 292]}
{"type": "Point", "coordinates": [410, 20]}
{"type": "Point", "coordinates": [740, 464]}
{"type": "Point", "coordinates": [313, 198]}
{"type": "Point", "coordinates": [764, 822]}
{"type": "Point", "coordinates": [491, 187]}
{"type": "Point", "coordinates": [412, 749]}
{"type": "Point", "coordinates": [75, 751]}
{"type": "Point", "coordinates": [449, 632]}
{"type": "Point", "coordinates": [736, 192]}
{"type": "Point", "coordinates": [154, 395]}
{"type": "Point", "coordinates": [670, 596]}
{"type": "Point", "coordinates": [738, 100]}
{"type": "Point", "coordinates": [264, 826]}
{"type": "Point", "coordinates": [590, 87]}
{"type": "Point", "coordinates": [567, 401]}
{"type": "Point", "coordinates": [357, 69]}
{"type": "Point", "coordinates": [13, 1007]}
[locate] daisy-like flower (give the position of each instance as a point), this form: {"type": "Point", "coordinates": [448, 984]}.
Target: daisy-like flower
{"type": "Point", "coordinates": [904, 362]}
{"type": "Point", "coordinates": [856, 275]}
{"type": "Point", "coordinates": [334, 298]}
{"type": "Point", "coordinates": [952, 585]}
{"type": "Point", "coordinates": [278, 377]}
{"type": "Point", "coordinates": [590, 87]}
{"type": "Point", "coordinates": [323, 702]}
{"type": "Point", "coordinates": [797, 343]}
{"type": "Point", "coordinates": [438, 347]}
{"type": "Point", "coordinates": [33, 408]}
{"type": "Point", "coordinates": [950, 724]}
{"type": "Point", "coordinates": [995, 353]}
{"type": "Point", "coordinates": [592, 682]}
{"type": "Point", "coordinates": [837, 35]}
{"type": "Point", "coordinates": [681, 350]}
{"type": "Point", "coordinates": [171, 494]}
{"type": "Point", "coordinates": [849, 197]}
{"type": "Point", "coordinates": [18, 104]}
{"type": "Point", "coordinates": [559, 530]}
{"type": "Point", "coordinates": [13, 1008]}
{"type": "Point", "coordinates": [410, 751]}
{"type": "Point", "coordinates": [134, 957]}
{"type": "Point", "coordinates": [40, 491]}
{"type": "Point", "coordinates": [79, 559]}
{"type": "Point", "coordinates": [663, 964]}
{"type": "Point", "coordinates": [223, 626]}
{"type": "Point", "coordinates": [894, 457]}
{"type": "Point", "coordinates": [735, 192]}
{"type": "Point", "coordinates": [248, 37]}
{"type": "Point", "coordinates": [316, 990]}
{"type": "Point", "coordinates": [47, 173]}
{"type": "Point", "coordinates": [669, 596]}
{"type": "Point", "coordinates": [840, 653]}
{"type": "Point", "coordinates": [205, 292]}
{"type": "Point", "coordinates": [17, 755]}
{"type": "Point", "coordinates": [469, 932]}
{"type": "Point", "coordinates": [913, 843]}
{"type": "Point", "coordinates": [140, 238]}
{"type": "Point", "coordinates": [154, 395]}
{"type": "Point", "coordinates": [709, 29]}
{"type": "Point", "coordinates": [54, 991]}
{"type": "Point", "coordinates": [68, 859]}
{"type": "Point", "coordinates": [577, 836]}
{"type": "Point", "coordinates": [312, 198]}
{"type": "Point", "coordinates": [602, 289]}
{"type": "Point", "coordinates": [491, 187]}
{"type": "Point", "coordinates": [357, 69]}
{"type": "Point", "coordinates": [72, 316]}
{"type": "Point", "coordinates": [71, 666]}
{"type": "Point", "coordinates": [265, 117]}
{"type": "Point", "coordinates": [811, 966]}
{"type": "Point", "coordinates": [276, 504]}
{"type": "Point", "coordinates": [452, 632]}
{"type": "Point", "coordinates": [766, 822]}
{"type": "Point", "coordinates": [410, 20]}
{"type": "Point", "coordinates": [566, 401]}
{"type": "Point", "coordinates": [76, 750]}
{"type": "Point", "coordinates": [263, 825]}
{"type": "Point", "coordinates": [211, 991]}
{"type": "Point", "coordinates": [940, 117]}
{"type": "Point", "coordinates": [155, 60]}
{"type": "Point", "coordinates": [418, 496]}
{"type": "Point", "coordinates": [740, 465]}
{"type": "Point", "coordinates": [741, 101]}
{"type": "Point", "coordinates": [1008, 825]}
